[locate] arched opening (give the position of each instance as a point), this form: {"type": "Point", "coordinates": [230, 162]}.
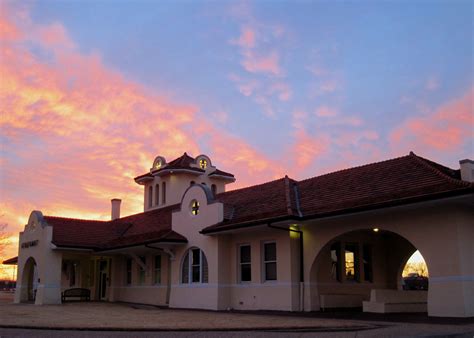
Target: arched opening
{"type": "Point", "coordinates": [356, 266]}
{"type": "Point", "coordinates": [415, 274]}
{"type": "Point", "coordinates": [194, 268]}
{"type": "Point", "coordinates": [29, 281]}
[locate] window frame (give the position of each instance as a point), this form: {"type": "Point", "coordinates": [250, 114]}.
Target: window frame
{"type": "Point", "coordinates": [239, 262]}
{"type": "Point", "coordinates": [150, 196]}
{"type": "Point", "coordinates": [265, 262]}
{"type": "Point", "coordinates": [157, 194]}
{"type": "Point", "coordinates": [202, 259]}
{"type": "Point", "coordinates": [157, 270]}
{"type": "Point", "coordinates": [140, 270]}
{"type": "Point", "coordinates": [128, 272]}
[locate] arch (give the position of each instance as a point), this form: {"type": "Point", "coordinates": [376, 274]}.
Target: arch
{"type": "Point", "coordinates": [377, 260]}
{"type": "Point", "coordinates": [194, 267]}
{"type": "Point", "coordinates": [158, 163]}
{"type": "Point", "coordinates": [29, 281]}
{"type": "Point", "coordinates": [206, 159]}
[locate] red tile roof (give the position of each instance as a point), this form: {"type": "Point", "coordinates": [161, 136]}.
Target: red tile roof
{"type": "Point", "coordinates": [147, 227]}
{"type": "Point", "coordinates": [402, 180]}
{"type": "Point", "coordinates": [183, 162]}
{"type": "Point", "coordinates": [393, 182]}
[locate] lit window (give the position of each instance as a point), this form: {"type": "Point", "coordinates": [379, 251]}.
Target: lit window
{"type": "Point", "coordinates": [157, 269]}
{"type": "Point", "coordinates": [194, 268]}
{"type": "Point", "coordinates": [141, 271]}
{"type": "Point", "coordinates": [203, 163]}
{"type": "Point", "coordinates": [269, 262]}
{"type": "Point", "coordinates": [128, 278]}
{"type": "Point", "coordinates": [351, 262]}
{"type": "Point", "coordinates": [245, 263]}
{"type": "Point", "coordinates": [194, 207]}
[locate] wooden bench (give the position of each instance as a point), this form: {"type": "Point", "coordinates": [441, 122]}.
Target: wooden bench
{"type": "Point", "coordinates": [386, 301]}
{"type": "Point", "coordinates": [82, 294]}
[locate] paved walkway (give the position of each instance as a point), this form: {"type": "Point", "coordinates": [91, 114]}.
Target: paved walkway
{"type": "Point", "coordinates": [100, 318]}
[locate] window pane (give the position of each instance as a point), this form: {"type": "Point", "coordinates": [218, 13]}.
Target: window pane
{"type": "Point", "coordinates": [270, 271]}
{"type": "Point", "coordinates": [205, 269]}
{"type": "Point", "coordinates": [185, 269]}
{"type": "Point", "coordinates": [245, 272]}
{"type": "Point", "coordinates": [270, 251]}
{"type": "Point", "coordinates": [245, 254]}
{"type": "Point", "coordinates": [196, 256]}
{"type": "Point", "coordinates": [196, 274]}
{"type": "Point", "coordinates": [336, 262]}
{"type": "Point", "coordinates": [351, 264]}
{"type": "Point", "coordinates": [158, 262]}
{"type": "Point", "coordinates": [367, 258]}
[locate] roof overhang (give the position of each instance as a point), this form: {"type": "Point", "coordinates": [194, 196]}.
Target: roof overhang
{"type": "Point", "coordinates": [11, 261]}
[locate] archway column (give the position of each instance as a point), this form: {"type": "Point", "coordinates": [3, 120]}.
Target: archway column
{"type": "Point", "coordinates": [49, 283]}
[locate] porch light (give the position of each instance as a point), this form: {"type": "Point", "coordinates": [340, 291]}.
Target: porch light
{"type": "Point", "coordinates": [375, 229]}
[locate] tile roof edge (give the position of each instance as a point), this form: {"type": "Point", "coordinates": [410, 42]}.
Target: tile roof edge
{"type": "Point", "coordinates": [250, 187]}
{"type": "Point", "coordinates": [426, 163]}
{"type": "Point", "coordinates": [76, 219]}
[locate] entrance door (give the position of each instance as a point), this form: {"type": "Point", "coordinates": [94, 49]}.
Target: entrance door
{"type": "Point", "coordinates": [103, 279]}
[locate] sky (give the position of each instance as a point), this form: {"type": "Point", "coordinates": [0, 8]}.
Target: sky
{"type": "Point", "coordinates": [92, 91]}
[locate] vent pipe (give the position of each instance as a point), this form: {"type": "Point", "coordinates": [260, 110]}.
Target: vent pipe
{"type": "Point", "coordinates": [116, 208]}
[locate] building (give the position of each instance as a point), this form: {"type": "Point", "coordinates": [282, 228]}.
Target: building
{"type": "Point", "coordinates": [335, 240]}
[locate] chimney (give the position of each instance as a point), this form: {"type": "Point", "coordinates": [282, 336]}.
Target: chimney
{"type": "Point", "coordinates": [116, 208]}
{"type": "Point", "coordinates": [467, 170]}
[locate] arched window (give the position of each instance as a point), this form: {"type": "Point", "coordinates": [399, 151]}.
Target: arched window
{"type": "Point", "coordinates": [150, 196]}
{"type": "Point", "coordinates": [157, 194]}
{"type": "Point", "coordinates": [163, 193]}
{"type": "Point", "coordinates": [214, 189]}
{"type": "Point", "coordinates": [194, 207]}
{"type": "Point", "coordinates": [194, 268]}
{"type": "Point", "coordinates": [203, 163]}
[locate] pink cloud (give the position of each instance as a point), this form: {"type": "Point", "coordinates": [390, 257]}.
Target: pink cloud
{"type": "Point", "coordinates": [246, 38]}
{"type": "Point", "coordinates": [432, 83]}
{"type": "Point", "coordinates": [325, 111]}
{"type": "Point", "coordinates": [93, 131]}
{"type": "Point", "coordinates": [444, 129]}
{"type": "Point", "coordinates": [282, 89]}
{"type": "Point", "coordinates": [268, 64]}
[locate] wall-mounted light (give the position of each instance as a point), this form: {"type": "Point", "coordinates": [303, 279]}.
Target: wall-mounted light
{"type": "Point", "coordinates": [375, 229]}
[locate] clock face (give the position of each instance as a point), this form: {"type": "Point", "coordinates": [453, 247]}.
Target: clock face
{"type": "Point", "coordinates": [158, 164]}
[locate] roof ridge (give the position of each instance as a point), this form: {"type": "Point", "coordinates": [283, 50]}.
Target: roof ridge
{"type": "Point", "coordinates": [351, 168]}
{"type": "Point", "coordinates": [76, 219]}
{"type": "Point", "coordinates": [426, 163]}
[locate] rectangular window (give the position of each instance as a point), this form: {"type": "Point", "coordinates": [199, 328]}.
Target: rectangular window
{"type": "Point", "coordinates": [269, 261]}
{"type": "Point", "coordinates": [367, 260]}
{"type": "Point", "coordinates": [157, 269]}
{"type": "Point", "coordinates": [157, 194]}
{"type": "Point", "coordinates": [141, 271]}
{"type": "Point", "coordinates": [196, 266]}
{"type": "Point", "coordinates": [351, 255]}
{"type": "Point", "coordinates": [163, 193]}
{"type": "Point", "coordinates": [150, 196]}
{"type": "Point", "coordinates": [245, 263]}
{"type": "Point", "coordinates": [336, 261]}
{"type": "Point", "coordinates": [128, 279]}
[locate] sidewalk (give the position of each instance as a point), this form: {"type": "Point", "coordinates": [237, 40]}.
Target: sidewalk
{"type": "Point", "coordinates": [96, 316]}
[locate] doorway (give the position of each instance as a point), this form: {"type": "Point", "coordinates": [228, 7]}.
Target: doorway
{"type": "Point", "coordinates": [103, 279]}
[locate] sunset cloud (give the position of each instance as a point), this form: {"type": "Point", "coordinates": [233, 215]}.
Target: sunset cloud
{"type": "Point", "coordinates": [85, 131]}
{"type": "Point", "coordinates": [445, 128]}
{"type": "Point", "coordinates": [255, 63]}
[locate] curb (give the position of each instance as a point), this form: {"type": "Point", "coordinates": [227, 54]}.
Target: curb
{"type": "Point", "coordinates": [239, 329]}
